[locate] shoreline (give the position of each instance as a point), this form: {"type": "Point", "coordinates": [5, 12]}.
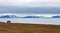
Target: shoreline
{"type": "Point", "coordinates": [30, 24]}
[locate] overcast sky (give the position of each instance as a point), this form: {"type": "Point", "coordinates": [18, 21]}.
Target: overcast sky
{"type": "Point", "coordinates": [35, 3]}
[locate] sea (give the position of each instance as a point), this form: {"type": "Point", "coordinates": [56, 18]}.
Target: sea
{"type": "Point", "coordinates": [47, 20]}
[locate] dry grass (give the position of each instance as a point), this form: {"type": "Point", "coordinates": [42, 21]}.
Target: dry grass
{"type": "Point", "coordinates": [28, 28]}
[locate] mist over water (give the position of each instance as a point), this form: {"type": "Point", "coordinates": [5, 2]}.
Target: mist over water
{"type": "Point", "coordinates": [54, 21]}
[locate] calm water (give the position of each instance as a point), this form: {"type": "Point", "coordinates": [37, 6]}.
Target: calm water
{"type": "Point", "coordinates": [55, 21]}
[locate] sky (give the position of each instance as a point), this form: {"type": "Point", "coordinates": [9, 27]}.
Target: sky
{"type": "Point", "coordinates": [30, 3]}
{"type": "Point", "coordinates": [41, 6]}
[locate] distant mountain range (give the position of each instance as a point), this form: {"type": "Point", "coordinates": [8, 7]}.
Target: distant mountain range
{"type": "Point", "coordinates": [14, 16]}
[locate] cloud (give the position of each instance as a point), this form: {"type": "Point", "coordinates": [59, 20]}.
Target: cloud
{"type": "Point", "coordinates": [30, 3]}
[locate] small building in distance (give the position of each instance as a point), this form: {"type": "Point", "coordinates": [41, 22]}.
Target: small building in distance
{"type": "Point", "coordinates": [8, 21]}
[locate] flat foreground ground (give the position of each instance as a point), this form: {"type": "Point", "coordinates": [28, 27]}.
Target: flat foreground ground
{"type": "Point", "coordinates": [28, 28]}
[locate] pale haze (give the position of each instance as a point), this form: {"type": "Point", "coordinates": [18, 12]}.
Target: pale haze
{"type": "Point", "coordinates": [30, 6]}
{"type": "Point", "coordinates": [28, 3]}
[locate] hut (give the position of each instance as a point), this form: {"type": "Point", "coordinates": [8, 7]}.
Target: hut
{"type": "Point", "coordinates": [8, 21]}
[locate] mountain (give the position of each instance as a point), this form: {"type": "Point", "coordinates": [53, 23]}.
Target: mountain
{"type": "Point", "coordinates": [31, 17]}
{"type": "Point", "coordinates": [56, 16]}
{"type": "Point", "coordinates": [8, 16]}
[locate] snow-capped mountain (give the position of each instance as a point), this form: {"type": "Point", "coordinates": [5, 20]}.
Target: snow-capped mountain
{"type": "Point", "coordinates": [9, 16]}
{"type": "Point", "coordinates": [15, 16]}
{"type": "Point", "coordinates": [56, 16]}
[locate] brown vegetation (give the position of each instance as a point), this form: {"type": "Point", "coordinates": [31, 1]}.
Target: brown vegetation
{"type": "Point", "coordinates": [28, 28]}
